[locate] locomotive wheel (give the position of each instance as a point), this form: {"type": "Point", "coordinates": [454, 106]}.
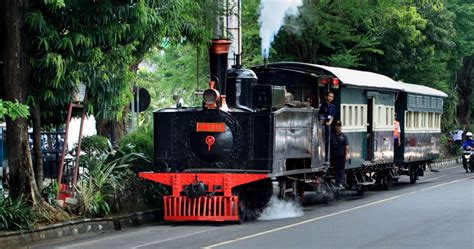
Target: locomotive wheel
{"type": "Point", "coordinates": [413, 174]}
{"type": "Point", "coordinates": [360, 190]}
{"type": "Point", "coordinates": [283, 191]}
{"type": "Point", "coordinates": [241, 211]}
{"type": "Point", "coordinates": [291, 190]}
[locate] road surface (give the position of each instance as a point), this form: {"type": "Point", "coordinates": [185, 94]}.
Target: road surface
{"type": "Point", "coordinates": [436, 212]}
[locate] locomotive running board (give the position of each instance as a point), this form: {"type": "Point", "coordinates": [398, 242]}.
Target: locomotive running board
{"type": "Point", "coordinates": [204, 208]}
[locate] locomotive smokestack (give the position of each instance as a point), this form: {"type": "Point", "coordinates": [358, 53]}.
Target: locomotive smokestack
{"type": "Point", "coordinates": [218, 63]}
{"type": "Point", "coordinates": [238, 61]}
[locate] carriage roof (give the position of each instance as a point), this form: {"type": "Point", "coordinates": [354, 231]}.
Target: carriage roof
{"type": "Point", "coordinates": [349, 77]}
{"type": "Point", "coordinates": [420, 89]}
{"type": "Point", "coordinates": [363, 79]}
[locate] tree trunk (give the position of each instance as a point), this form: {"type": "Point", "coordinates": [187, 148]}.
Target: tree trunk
{"type": "Point", "coordinates": [16, 71]}
{"type": "Point", "coordinates": [36, 117]}
{"type": "Point", "coordinates": [465, 89]}
{"type": "Point", "coordinates": [113, 130]}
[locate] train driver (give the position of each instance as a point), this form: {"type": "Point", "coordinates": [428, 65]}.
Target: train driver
{"type": "Point", "coordinates": [339, 153]}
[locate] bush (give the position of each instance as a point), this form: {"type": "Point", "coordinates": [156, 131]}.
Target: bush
{"type": "Point", "coordinates": [16, 214]}
{"type": "Point", "coordinates": [50, 192]}
{"type": "Point", "coordinates": [95, 144]}
{"type": "Point", "coordinates": [139, 141]}
{"type": "Point", "coordinates": [107, 183]}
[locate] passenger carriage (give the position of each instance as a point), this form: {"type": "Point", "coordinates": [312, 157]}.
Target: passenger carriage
{"type": "Point", "coordinates": [419, 110]}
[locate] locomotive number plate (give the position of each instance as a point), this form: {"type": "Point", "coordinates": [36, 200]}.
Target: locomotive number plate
{"type": "Point", "coordinates": [210, 127]}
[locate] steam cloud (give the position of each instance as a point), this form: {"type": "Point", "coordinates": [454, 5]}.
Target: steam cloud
{"type": "Point", "coordinates": [280, 209]}
{"type": "Point", "coordinates": [272, 16]}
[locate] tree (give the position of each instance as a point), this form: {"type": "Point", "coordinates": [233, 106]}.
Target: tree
{"type": "Point", "coordinates": [464, 58]}
{"type": "Point", "coordinates": [67, 43]}
{"type": "Point", "coordinates": [336, 33]}
{"type": "Point", "coordinates": [16, 51]}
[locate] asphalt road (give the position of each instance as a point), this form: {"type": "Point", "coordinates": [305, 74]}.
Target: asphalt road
{"type": "Point", "coordinates": [436, 212]}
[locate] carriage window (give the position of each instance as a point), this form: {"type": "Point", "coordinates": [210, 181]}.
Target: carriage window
{"type": "Point", "coordinates": [407, 117]}
{"type": "Point", "coordinates": [343, 115]}
{"type": "Point", "coordinates": [415, 120]}
{"type": "Point", "coordinates": [387, 116]}
{"type": "Point", "coordinates": [356, 113]}
{"type": "Point", "coordinates": [427, 116]}
{"type": "Point", "coordinates": [392, 115]}
{"type": "Point", "coordinates": [422, 120]}
{"type": "Point", "coordinates": [350, 116]}
{"type": "Point", "coordinates": [438, 120]}
{"type": "Point", "coordinates": [430, 120]}
{"type": "Point", "coordinates": [410, 120]}
{"type": "Point", "coordinates": [379, 115]}
{"type": "Point", "coordinates": [353, 116]}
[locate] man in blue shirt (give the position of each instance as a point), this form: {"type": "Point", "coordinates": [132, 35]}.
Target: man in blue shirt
{"type": "Point", "coordinates": [327, 111]}
{"type": "Point", "coordinates": [467, 145]}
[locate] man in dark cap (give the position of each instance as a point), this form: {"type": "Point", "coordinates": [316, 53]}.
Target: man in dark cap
{"type": "Point", "coordinates": [327, 112]}
{"type": "Point", "coordinates": [339, 153]}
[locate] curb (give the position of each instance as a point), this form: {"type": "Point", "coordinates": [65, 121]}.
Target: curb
{"type": "Point", "coordinates": [445, 163]}
{"type": "Point", "coordinates": [76, 227]}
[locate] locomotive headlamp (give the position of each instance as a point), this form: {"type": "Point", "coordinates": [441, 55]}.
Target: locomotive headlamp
{"type": "Point", "coordinates": [210, 96]}
{"type": "Point", "coordinates": [323, 80]}
{"type": "Point", "coordinates": [335, 83]}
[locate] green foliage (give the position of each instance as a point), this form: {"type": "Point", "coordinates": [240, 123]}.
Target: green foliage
{"type": "Point", "coordinates": [97, 44]}
{"type": "Point", "coordinates": [107, 183]}
{"type": "Point", "coordinates": [177, 70]}
{"type": "Point", "coordinates": [13, 110]}
{"type": "Point", "coordinates": [422, 42]}
{"type": "Point", "coordinates": [463, 59]}
{"type": "Point", "coordinates": [139, 141]}
{"type": "Point", "coordinates": [95, 145]}
{"type": "Point", "coordinates": [93, 187]}
{"type": "Point", "coordinates": [16, 214]}
{"type": "Point", "coordinates": [250, 33]}
{"type": "Point", "coordinates": [50, 192]}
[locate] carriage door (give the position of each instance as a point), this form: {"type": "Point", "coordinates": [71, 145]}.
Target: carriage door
{"type": "Point", "coordinates": [370, 131]}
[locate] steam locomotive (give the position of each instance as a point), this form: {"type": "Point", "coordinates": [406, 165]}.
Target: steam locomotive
{"type": "Point", "coordinates": [260, 128]}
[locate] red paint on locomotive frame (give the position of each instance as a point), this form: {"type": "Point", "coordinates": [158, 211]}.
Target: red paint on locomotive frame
{"type": "Point", "coordinates": [210, 127]}
{"type": "Point", "coordinates": [220, 207]}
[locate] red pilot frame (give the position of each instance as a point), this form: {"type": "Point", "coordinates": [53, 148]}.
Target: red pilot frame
{"type": "Point", "coordinates": [222, 206]}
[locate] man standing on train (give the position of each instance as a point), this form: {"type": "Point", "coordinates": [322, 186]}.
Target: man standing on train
{"type": "Point", "coordinates": [396, 131]}
{"type": "Point", "coordinates": [327, 112]}
{"type": "Point", "coordinates": [339, 153]}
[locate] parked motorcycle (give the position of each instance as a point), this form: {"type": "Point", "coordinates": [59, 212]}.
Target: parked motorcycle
{"type": "Point", "coordinates": [468, 160]}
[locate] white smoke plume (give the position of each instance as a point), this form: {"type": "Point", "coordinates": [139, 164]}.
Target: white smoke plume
{"type": "Point", "coordinates": [272, 16]}
{"type": "Point", "coordinates": [280, 209]}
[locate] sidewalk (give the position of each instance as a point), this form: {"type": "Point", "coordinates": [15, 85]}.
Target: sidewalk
{"type": "Point", "coordinates": [70, 228]}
